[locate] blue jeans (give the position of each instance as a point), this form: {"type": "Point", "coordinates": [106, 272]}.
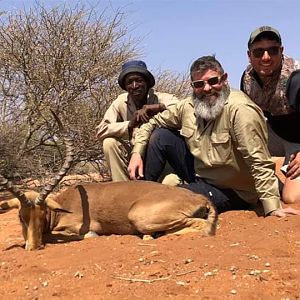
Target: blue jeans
{"type": "Point", "coordinates": [168, 145]}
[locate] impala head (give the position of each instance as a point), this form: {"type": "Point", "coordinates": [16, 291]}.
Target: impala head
{"type": "Point", "coordinates": [33, 206]}
{"type": "Point", "coordinates": [33, 217]}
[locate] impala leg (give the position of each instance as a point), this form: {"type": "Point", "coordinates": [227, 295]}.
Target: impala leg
{"type": "Point", "coordinates": [90, 234]}
{"type": "Point", "coordinates": [147, 237]}
{"type": "Point", "coordinates": [194, 225]}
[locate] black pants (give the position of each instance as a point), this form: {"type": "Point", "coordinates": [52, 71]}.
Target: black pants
{"type": "Point", "coordinates": [168, 145]}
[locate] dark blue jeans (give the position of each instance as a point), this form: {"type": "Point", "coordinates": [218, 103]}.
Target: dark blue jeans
{"type": "Point", "coordinates": [169, 146]}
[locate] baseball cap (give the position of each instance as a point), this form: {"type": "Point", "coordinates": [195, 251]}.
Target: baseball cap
{"type": "Point", "coordinates": [254, 35]}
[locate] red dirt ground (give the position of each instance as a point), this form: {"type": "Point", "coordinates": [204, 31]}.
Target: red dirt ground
{"type": "Point", "coordinates": [251, 257]}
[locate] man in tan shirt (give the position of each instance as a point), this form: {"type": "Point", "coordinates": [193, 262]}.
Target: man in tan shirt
{"type": "Point", "coordinates": [127, 113]}
{"type": "Point", "coordinates": [227, 136]}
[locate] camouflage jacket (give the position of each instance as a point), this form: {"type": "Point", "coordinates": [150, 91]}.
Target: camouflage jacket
{"type": "Point", "coordinates": [270, 96]}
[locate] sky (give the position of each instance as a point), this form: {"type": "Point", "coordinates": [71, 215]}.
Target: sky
{"type": "Point", "coordinates": [174, 33]}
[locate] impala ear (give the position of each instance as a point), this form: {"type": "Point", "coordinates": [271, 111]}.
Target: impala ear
{"type": "Point", "coordinates": [6, 206]}
{"type": "Point", "coordinates": [53, 205]}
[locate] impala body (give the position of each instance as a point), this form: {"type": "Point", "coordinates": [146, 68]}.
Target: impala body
{"type": "Point", "coordinates": [134, 208]}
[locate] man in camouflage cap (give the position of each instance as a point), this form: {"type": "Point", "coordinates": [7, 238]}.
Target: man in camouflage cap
{"type": "Point", "coordinates": [272, 82]}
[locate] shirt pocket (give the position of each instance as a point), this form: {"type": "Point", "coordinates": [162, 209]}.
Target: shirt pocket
{"type": "Point", "coordinates": [220, 148]}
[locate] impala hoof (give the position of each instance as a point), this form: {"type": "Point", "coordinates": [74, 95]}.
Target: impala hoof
{"type": "Point", "coordinates": [147, 237]}
{"type": "Point", "coordinates": [90, 234]}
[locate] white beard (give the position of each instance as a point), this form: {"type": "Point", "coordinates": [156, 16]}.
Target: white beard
{"type": "Point", "coordinates": [210, 107]}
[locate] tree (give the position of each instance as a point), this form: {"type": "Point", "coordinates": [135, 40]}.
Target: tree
{"type": "Point", "coordinates": [67, 60]}
{"type": "Point", "coordinates": [64, 59]}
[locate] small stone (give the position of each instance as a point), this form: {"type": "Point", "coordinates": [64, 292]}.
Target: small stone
{"type": "Point", "coordinates": [44, 283]}
{"type": "Point", "coordinates": [267, 264]}
{"type": "Point", "coordinates": [78, 274]}
{"type": "Point", "coordinates": [233, 292]}
{"type": "Point", "coordinates": [187, 261]}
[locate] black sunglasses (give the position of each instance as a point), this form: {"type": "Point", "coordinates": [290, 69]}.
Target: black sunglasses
{"type": "Point", "coordinates": [259, 52]}
{"type": "Point", "coordinates": [199, 84]}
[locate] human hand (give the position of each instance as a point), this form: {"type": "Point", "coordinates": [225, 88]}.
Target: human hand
{"type": "Point", "coordinates": [293, 169]}
{"type": "Point", "coordinates": [149, 110]}
{"type": "Point", "coordinates": [145, 113]}
{"type": "Point", "coordinates": [135, 167]}
{"type": "Point", "coordinates": [135, 121]}
{"type": "Point", "coordinates": [284, 212]}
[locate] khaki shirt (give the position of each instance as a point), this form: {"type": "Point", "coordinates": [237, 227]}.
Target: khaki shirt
{"type": "Point", "coordinates": [116, 119]}
{"type": "Point", "coordinates": [230, 152]}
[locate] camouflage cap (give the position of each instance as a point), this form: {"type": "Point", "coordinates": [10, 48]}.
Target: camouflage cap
{"type": "Point", "coordinates": [261, 30]}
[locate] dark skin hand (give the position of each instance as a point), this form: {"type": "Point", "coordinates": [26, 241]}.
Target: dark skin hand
{"type": "Point", "coordinates": [293, 169]}
{"type": "Point", "coordinates": [144, 114]}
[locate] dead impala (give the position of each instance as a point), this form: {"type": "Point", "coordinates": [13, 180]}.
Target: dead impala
{"type": "Point", "coordinates": [139, 208]}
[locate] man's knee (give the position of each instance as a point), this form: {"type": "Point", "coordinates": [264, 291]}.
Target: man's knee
{"type": "Point", "coordinates": [163, 136]}
{"type": "Point", "coordinates": [290, 196]}
{"type": "Point", "coordinates": [155, 136]}
{"type": "Point", "coordinates": [109, 144]}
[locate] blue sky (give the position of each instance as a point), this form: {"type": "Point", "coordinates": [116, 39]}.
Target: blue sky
{"type": "Point", "coordinates": [176, 32]}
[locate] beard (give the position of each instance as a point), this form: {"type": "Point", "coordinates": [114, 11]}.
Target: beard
{"type": "Point", "coordinates": [209, 107]}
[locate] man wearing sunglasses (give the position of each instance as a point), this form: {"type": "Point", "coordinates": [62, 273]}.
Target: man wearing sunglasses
{"type": "Point", "coordinates": [221, 151]}
{"type": "Point", "coordinates": [272, 82]}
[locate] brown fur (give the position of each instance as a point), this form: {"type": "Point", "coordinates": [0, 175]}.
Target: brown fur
{"type": "Point", "coordinates": [139, 207]}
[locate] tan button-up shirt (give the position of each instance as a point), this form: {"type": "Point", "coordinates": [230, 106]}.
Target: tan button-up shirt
{"type": "Point", "coordinates": [230, 152]}
{"type": "Point", "coordinates": [116, 119]}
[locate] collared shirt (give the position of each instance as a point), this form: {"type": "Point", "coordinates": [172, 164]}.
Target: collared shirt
{"type": "Point", "coordinates": [116, 119]}
{"type": "Point", "coordinates": [230, 151]}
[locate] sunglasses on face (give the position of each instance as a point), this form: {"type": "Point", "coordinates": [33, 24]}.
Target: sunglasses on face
{"type": "Point", "coordinates": [200, 84]}
{"type": "Point", "coordinates": [259, 52]}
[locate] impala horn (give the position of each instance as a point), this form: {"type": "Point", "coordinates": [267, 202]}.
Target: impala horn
{"type": "Point", "coordinates": [15, 191]}
{"type": "Point", "coordinates": [68, 141]}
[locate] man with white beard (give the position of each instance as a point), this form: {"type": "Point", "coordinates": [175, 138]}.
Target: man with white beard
{"type": "Point", "coordinates": [216, 141]}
